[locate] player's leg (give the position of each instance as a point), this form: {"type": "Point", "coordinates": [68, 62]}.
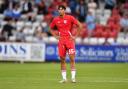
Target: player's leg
{"type": "Point", "coordinates": [62, 54]}
{"type": "Point", "coordinates": [73, 69]}
{"type": "Point", "coordinates": [63, 69]}
{"type": "Point", "coordinates": [71, 52]}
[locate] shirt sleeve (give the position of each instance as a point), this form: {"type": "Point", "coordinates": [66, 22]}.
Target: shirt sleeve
{"type": "Point", "coordinates": [74, 21]}
{"type": "Point", "coordinates": [52, 24]}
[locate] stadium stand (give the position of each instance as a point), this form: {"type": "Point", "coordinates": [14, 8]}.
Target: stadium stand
{"type": "Point", "coordinates": [30, 20]}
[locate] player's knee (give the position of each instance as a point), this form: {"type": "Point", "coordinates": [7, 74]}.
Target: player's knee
{"type": "Point", "coordinates": [72, 57]}
{"type": "Point", "coordinates": [62, 59]}
{"type": "Point", "coordinates": [72, 60]}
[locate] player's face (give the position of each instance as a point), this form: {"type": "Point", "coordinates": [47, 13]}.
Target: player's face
{"type": "Point", "coordinates": [61, 11]}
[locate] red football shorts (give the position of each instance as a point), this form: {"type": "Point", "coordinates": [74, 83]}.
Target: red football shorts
{"type": "Point", "coordinates": [66, 45]}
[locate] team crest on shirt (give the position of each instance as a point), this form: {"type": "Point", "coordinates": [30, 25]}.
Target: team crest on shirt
{"type": "Point", "coordinates": [58, 21]}
{"type": "Point", "coordinates": [65, 21]}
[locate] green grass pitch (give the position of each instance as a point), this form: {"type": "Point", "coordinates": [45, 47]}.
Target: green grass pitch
{"type": "Point", "coordinates": [47, 76]}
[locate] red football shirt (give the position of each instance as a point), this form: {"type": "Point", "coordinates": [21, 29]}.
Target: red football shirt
{"type": "Point", "coordinates": [64, 25]}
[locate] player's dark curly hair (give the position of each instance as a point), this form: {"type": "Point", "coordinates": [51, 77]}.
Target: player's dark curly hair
{"type": "Point", "coordinates": [61, 6]}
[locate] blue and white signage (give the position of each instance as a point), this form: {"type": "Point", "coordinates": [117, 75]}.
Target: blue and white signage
{"type": "Point", "coordinates": [88, 53]}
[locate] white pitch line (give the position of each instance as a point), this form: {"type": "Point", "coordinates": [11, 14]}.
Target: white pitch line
{"type": "Point", "coordinates": [85, 79]}
{"type": "Point", "coordinates": [109, 81]}
{"type": "Point", "coordinates": [104, 79]}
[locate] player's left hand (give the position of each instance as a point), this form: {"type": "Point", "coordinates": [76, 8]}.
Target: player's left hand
{"type": "Point", "coordinates": [73, 38]}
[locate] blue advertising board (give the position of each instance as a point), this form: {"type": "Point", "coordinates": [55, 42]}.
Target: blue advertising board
{"type": "Point", "coordinates": [91, 53]}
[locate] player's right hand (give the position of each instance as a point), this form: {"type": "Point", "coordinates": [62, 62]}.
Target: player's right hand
{"type": "Point", "coordinates": [57, 37]}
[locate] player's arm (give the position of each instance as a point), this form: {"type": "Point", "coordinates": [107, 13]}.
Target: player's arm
{"type": "Point", "coordinates": [53, 33]}
{"type": "Point", "coordinates": [78, 29]}
{"type": "Point", "coordinates": [52, 26]}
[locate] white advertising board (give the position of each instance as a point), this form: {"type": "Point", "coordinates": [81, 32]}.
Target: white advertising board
{"type": "Point", "coordinates": [22, 51]}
